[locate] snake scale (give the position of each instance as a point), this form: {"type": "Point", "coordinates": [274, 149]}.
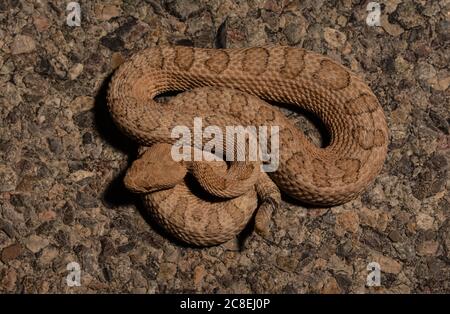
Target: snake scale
{"type": "Point", "coordinates": [229, 87]}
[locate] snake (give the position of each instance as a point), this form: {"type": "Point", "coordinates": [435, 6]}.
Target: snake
{"type": "Point", "coordinates": [241, 86]}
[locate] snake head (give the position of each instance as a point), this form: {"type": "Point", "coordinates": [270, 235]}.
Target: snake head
{"type": "Point", "coordinates": [154, 170]}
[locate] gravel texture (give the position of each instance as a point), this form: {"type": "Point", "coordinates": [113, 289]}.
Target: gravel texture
{"type": "Point", "coordinates": [62, 160]}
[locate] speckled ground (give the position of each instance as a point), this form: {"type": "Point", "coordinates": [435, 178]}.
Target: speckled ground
{"type": "Point", "coordinates": [62, 160]}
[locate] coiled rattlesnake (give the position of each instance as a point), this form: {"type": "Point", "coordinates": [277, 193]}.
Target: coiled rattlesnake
{"type": "Point", "coordinates": [224, 86]}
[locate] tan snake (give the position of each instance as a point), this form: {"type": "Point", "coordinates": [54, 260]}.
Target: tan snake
{"type": "Point", "coordinates": [226, 86]}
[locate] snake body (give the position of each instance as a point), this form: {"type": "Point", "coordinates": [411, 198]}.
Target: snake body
{"type": "Point", "coordinates": [227, 86]}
